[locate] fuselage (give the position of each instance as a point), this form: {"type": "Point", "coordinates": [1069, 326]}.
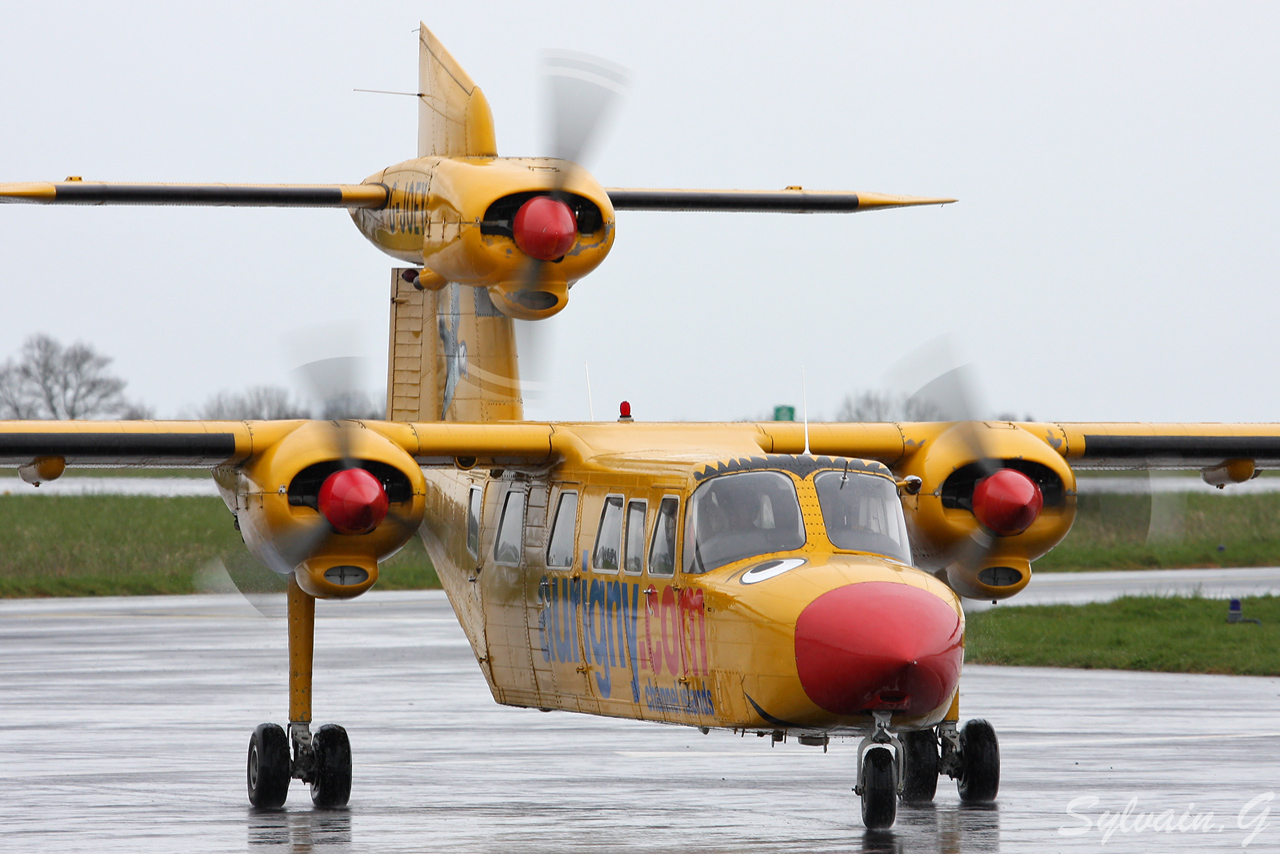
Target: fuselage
{"type": "Point", "coordinates": [614, 583]}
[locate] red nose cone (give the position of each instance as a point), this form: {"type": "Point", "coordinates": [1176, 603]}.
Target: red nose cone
{"type": "Point", "coordinates": [879, 645]}
{"type": "Point", "coordinates": [1007, 502]}
{"type": "Point", "coordinates": [353, 501]}
{"type": "Point", "coordinates": [545, 228]}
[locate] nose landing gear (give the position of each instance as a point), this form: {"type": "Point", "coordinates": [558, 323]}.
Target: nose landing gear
{"type": "Point", "coordinates": [879, 775]}
{"type": "Point", "coordinates": [908, 766]}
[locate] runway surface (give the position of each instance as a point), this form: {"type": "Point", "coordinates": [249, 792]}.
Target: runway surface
{"type": "Point", "coordinates": [124, 725]}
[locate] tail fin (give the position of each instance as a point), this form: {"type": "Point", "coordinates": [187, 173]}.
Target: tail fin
{"type": "Point", "coordinates": [453, 356]}
{"type": "Point", "coordinates": [454, 119]}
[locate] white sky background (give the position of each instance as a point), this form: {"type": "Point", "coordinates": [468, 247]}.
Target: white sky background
{"type": "Point", "coordinates": [1113, 256]}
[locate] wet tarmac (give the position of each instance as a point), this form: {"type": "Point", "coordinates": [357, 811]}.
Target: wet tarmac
{"type": "Point", "coordinates": [124, 725]}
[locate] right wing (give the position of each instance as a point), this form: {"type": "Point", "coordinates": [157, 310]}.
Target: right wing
{"type": "Point", "coordinates": [791, 200]}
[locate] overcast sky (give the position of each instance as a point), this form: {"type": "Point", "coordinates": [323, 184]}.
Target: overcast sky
{"type": "Point", "coordinates": [1113, 256]}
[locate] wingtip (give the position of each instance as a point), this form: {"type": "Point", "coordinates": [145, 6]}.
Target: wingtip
{"type": "Point", "coordinates": [889, 200]}
{"type": "Point", "coordinates": [32, 191]}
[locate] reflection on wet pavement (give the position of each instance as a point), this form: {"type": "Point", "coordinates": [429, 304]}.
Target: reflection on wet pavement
{"type": "Point", "coordinates": [124, 725]}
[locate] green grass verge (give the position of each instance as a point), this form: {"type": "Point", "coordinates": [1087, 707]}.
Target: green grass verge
{"type": "Point", "coordinates": [1189, 529]}
{"type": "Point", "coordinates": [1170, 634]}
{"type": "Point", "coordinates": [108, 545]}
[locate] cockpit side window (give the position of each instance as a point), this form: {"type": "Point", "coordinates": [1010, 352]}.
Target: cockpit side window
{"type": "Point", "coordinates": [737, 516]}
{"type": "Point", "coordinates": [863, 513]}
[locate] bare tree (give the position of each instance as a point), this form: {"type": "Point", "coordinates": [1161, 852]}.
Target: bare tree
{"type": "Point", "coordinates": [888, 406]}
{"type": "Point", "coordinates": [266, 403]}
{"type": "Point", "coordinates": [48, 380]}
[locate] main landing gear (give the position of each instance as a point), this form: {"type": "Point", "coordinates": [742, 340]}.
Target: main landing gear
{"type": "Point", "coordinates": [907, 766]}
{"type": "Point", "coordinates": [324, 759]}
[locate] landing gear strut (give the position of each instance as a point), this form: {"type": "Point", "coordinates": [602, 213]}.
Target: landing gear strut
{"type": "Point", "coordinates": [322, 760]}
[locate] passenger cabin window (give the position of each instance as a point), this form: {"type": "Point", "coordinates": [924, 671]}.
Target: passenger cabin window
{"type": "Point", "coordinates": [473, 521]}
{"type": "Point", "coordinates": [662, 551]}
{"type": "Point", "coordinates": [862, 513]}
{"type": "Point", "coordinates": [634, 558]}
{"type": "Point", "coordinates": [510, 542]}
{"type": "Point", "coordinates": [609, 535]}
{"type": "Point", "coordinates": [560, 549]}
{"type": "Point", "coordinates": [736, 516]}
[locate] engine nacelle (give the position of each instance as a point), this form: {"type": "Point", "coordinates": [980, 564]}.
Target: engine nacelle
{"type": "Point", "coordinates": [948, 538]}
{"type": "Point", "coordinates": [276, 497]}
{"type": "Point", "coordinates": [457, 218]}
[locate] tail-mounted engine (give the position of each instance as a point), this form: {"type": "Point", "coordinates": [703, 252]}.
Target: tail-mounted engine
{"type": "Point", "coordinates": [326, 503]}
{"type": "Point", "coordinates": [994, 498]}
{"type": "Point", "coordinates": [524, 229]}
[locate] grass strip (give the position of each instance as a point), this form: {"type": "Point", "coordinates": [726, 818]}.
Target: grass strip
{"type": "Point", "coordinates": [1169, 531]}
{"type": "Point", "coordinates": [110, 545]}
{"type": "Point", "coordinates": [1168, 634]}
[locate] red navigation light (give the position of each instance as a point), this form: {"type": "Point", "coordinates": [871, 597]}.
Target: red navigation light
{"type": "Point", "coordinates": [1007, 502]}
{"type": "Point", "coordinates": [624, 409]}
{"type": "Point", "coordinates": [353, 501]}
{"type": "Point", "coordinates": [545, 228]}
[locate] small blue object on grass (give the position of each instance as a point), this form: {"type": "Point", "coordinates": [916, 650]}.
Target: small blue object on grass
{"type": "Point", "coordinates": [1235, 614]}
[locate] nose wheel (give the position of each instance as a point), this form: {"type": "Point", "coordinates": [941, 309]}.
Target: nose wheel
{"type": "Point", "coordinates": [879, 775]}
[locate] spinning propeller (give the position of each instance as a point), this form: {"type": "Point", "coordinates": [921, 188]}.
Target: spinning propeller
{"type": "Point", "coordinates": [346, 499]}
{"type": "Point", "coordinates": [1001, 475]}
{"type": "Point", "coordinates": [580, 93]}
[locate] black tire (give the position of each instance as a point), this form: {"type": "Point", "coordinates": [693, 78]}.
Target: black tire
{"type": "Point", "coordinates": [979, 778]}
{"type": "Point", "coordinates": [331, 786]}
{"type": "Point", "coordinates": [920, 776]}
{"type": "Point", "coordinates": [879, 789]}
{"type": "Point", "coordinates": [269, 767]}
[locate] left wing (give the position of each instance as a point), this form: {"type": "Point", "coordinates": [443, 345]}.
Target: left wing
{"type": "Point", "coordinates": [74, 191]}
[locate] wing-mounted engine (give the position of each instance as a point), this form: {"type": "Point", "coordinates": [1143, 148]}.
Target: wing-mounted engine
{"type": "Point", "coordinates": [326, 503]}
{"type": "Point", "coordinates": [994, 498]}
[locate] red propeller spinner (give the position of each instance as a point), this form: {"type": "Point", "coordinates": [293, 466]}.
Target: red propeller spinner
{"type": "Point", "coordinates": [545, 228]}
{"type": "Point", "coordinates": [1007, 502]}
{"type": "Point", "coordinates": [353, 501]}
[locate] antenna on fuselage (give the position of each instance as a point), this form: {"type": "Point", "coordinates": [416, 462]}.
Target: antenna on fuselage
{"type": "Point", "coordinates": [591, 409]}
{"type": "Point", "coordinates": [804, 404]}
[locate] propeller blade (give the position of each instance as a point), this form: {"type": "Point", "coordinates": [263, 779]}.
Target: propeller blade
{"type": "Point", "coordinates": [582, 90]}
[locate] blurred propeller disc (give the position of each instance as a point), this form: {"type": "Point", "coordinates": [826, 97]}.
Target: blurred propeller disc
{"type": "Point", "coordinates": [581, 90]}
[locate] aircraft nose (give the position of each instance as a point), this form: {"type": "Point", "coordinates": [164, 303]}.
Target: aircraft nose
{"type": "Point", "coordinates": [878, 645]}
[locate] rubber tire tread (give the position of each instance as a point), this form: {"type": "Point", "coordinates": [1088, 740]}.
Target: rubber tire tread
{"type": "Point", "coordinates": [879, 790]}
{"type": "Point", "coordinates": [331, 787]}
{"type": "Point", "coordinates": [920, 777]}
{"type": "Point", "coordinates": [979, 778]}
{"type": "Point", "coordinates": [275, 768]}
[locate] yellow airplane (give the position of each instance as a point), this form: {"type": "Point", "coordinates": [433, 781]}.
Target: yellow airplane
{"type": "Point", "coordinates": [790, 580]}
